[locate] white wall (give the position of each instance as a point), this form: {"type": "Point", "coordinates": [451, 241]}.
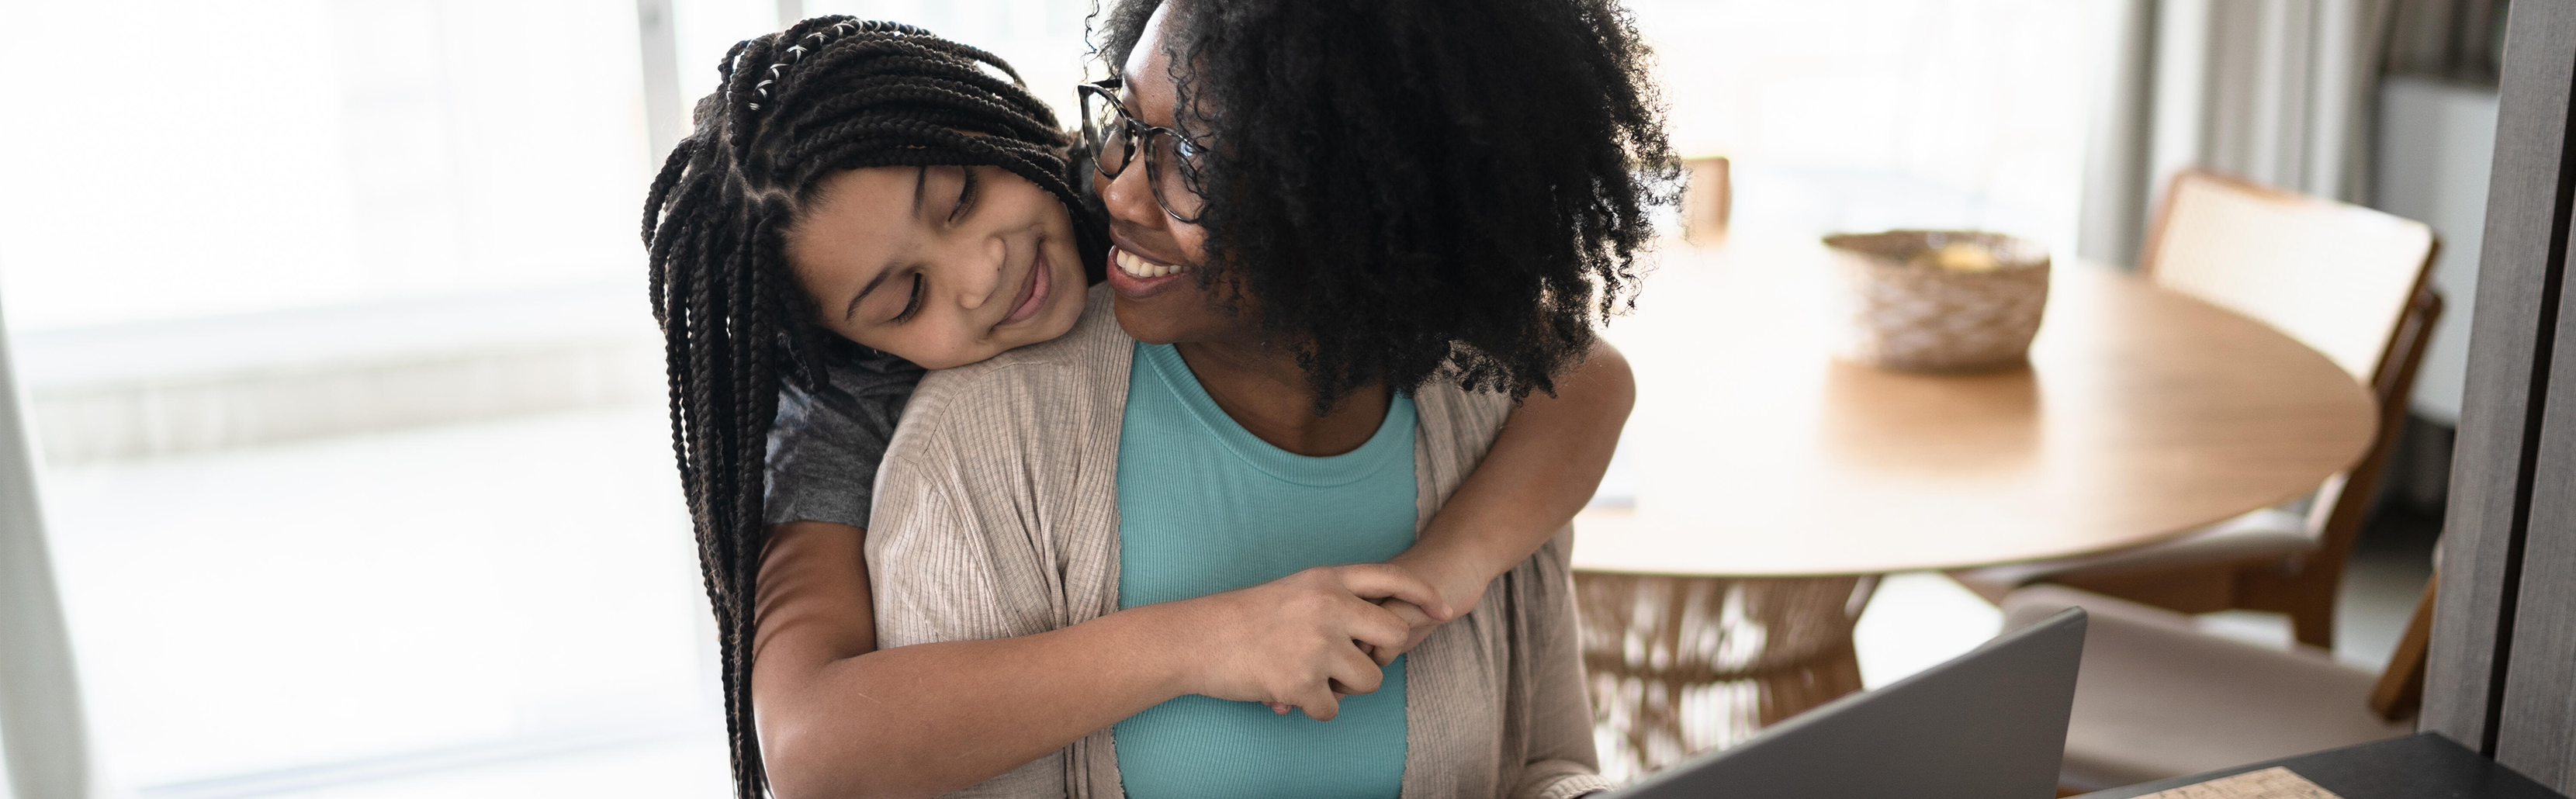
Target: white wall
{"type": "Point", "coordinates": [2436, 143]}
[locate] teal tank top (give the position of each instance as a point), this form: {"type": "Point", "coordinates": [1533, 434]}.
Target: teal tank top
{"type": "Point", "coordinates": [1205, 506]}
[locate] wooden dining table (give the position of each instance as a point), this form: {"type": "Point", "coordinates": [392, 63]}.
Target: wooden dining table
{"type": "Point", "coordinates": [1772, 482]}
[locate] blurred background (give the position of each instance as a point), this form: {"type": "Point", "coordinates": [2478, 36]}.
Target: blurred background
{"type": "Point", "coordinates": [330, 316]}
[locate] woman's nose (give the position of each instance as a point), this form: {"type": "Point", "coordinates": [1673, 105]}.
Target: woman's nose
{"type": "Point", "coordinates": [1129, 197]}
{"type": "Point", "coordinates": [979, 270]}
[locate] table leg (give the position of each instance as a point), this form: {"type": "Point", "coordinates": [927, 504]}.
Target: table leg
{"type": "Point", "coordinates": [1680, 665]}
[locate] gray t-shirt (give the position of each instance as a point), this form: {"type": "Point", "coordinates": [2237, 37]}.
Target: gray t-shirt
{"type": "Point", "coordinates": [825, 445]}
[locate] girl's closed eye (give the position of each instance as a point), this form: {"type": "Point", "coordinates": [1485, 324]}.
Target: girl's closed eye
{"type": "Point", "coordinates": [966, 194]}
{"type": "Point", "coordinates": [943, 230]}
{"type": "Point", "coordinates": [912, 304]}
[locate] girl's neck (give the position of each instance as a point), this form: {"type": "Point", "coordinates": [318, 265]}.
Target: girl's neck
{"type": "Point", "coordinates": [1261, 386]}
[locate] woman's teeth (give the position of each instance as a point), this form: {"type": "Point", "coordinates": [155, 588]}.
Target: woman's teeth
{"type": "Point", "coordinates": [1137, 267]}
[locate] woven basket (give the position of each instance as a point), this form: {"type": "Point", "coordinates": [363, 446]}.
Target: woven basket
{"type": "Point", "coordinates": [1939, 301]}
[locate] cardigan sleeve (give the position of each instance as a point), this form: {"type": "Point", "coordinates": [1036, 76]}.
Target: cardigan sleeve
{"type": "Point", "coordinates": [1560, 761]}
{"type": "Point", "coordinates": [997, 502]}
{"type": "Point", "coordinates": [948, 560]}
{"type": "Point", "coordinates": [1530, 658]}
{"type": "Point", "coordinates": [996, 516]}
{"type": "Point", "coordinates": [939, 568]}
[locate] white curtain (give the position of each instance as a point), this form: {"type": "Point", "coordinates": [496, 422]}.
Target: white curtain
{"type": "Point", "coordinates": [2277, 91]}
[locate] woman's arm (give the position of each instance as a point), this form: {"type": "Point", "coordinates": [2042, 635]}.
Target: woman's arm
{"type": "Point", "coordinates": [1541, 471]}
{"type": "Point", "coordinates": [839, 717]}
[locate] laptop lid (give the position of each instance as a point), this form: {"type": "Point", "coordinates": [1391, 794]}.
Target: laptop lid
{"type": "Point", "coordinates": [1990, 724]}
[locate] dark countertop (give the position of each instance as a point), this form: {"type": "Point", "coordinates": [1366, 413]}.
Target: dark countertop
{"type": "Point", "coordinates": [2420, 766]}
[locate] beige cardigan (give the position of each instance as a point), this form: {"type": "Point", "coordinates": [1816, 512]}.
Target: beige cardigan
{"type": "Point", "coordinates": [997, 515]}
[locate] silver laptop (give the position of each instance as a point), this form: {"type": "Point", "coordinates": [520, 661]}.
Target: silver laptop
{"type": "Point", "coordinates": [1990, 724]}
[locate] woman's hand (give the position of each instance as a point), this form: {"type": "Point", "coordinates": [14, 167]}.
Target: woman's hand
{"type": "Point", "coordinates": [1298, 640]}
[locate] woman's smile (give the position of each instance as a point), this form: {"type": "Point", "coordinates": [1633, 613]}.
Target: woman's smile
{"type": "Point", "coordinates": [1137, 277]}
{"type": "Point", "coordinates": [1137, 266]}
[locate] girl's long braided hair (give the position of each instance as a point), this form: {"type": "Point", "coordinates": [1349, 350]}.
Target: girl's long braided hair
{"type": "Point", "coordinates": [826, 95]}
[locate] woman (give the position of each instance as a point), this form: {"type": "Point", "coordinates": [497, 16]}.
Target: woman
{"type": "Point", "coordinates": [880, 182]}
{"type": "Point", "coordinates": [1326, 271]}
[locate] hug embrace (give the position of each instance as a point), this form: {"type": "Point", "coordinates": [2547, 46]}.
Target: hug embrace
{"type": "Point", "coordinates": [1223, 443]}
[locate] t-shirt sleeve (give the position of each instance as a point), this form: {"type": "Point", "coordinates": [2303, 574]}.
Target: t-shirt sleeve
{"type": "Point", "coordinates": [825, 444]}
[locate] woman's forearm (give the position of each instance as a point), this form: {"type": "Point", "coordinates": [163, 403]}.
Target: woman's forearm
{"type": "Point", "coordinates": [1541, 471]}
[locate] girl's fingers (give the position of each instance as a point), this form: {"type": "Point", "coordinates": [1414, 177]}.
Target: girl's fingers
{"type": "Point", "coordinates": [1411, 614]}
{"type": "Point", "coordinates": [1374, 627]}
{"type": "Point", "coordinates": [1378, 581]}
{"type": "Point", "coordinates": [1355, 673]}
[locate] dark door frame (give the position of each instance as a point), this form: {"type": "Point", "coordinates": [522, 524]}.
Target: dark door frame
{"type": "Point", "coordinates": [2503, 671]}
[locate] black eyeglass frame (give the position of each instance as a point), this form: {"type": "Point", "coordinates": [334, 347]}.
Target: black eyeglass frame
{"type": "Point", "coordinates": [1141, 136]}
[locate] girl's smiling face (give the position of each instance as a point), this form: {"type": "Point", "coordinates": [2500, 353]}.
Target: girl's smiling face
{"type": "Point", "coordinates": [942, 266]}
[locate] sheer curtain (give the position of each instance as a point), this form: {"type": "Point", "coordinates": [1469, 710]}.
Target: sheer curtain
{"type": "Point", "coordinates": [2278, 91]}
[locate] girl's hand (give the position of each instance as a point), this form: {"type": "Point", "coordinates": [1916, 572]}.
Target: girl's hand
{"type": "Point", "coordinates": [1460, 588]}
{"type": "Point", "coordinates": [1298, 640]}
{"type": "Point", "coordinates": [1412, 614]}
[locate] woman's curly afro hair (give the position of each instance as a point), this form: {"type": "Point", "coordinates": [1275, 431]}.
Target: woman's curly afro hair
{"type": "Point", "coordinates": [1411, 183]}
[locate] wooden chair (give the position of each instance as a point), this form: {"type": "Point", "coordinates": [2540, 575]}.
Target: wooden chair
{"type": "Point", "coordinates": [2345, 280]}
{"type": "Point", "coordinates": [2158, 698]}
{"type": "Point", "coordinates": [1709, 202]}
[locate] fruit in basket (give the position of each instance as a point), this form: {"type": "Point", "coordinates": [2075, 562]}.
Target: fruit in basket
{"type": "Point", "coordinates": [1938, 300]}
{"type": "Point", "coordinates": [1964, 256]}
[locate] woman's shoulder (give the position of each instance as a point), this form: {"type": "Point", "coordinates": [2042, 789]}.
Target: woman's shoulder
{"type": "Point", "coordinates": [956, 553]}
{"type": "Point", "coordinates": [1450, 411]}
{"type": "Point", "coordinates": [1039, 387]}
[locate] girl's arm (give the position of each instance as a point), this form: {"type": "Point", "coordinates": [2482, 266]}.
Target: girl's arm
{"type": "Point", "coordinates": [1540, 472]}
{"type": "Point", "coordinates": [840, 718]}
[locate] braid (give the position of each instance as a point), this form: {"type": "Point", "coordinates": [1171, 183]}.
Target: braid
{"type": "Point", "coordinates": [829, 94]}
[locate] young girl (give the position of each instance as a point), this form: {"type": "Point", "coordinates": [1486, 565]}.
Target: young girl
{"type": "Point", "coordinates": [862, 200]}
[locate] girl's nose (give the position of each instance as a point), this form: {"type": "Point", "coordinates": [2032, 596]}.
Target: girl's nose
{"type": "Point", "coordinates": [979, 270]}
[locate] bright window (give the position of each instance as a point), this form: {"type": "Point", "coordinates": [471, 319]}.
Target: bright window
{"type": "Point", "coordinates": [1854, 115]}
{"type": "Point", "coordinates": [332, 316]}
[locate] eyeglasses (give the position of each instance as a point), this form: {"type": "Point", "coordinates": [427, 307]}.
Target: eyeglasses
{"type": "Point", "coordinates": [1171, 159]}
